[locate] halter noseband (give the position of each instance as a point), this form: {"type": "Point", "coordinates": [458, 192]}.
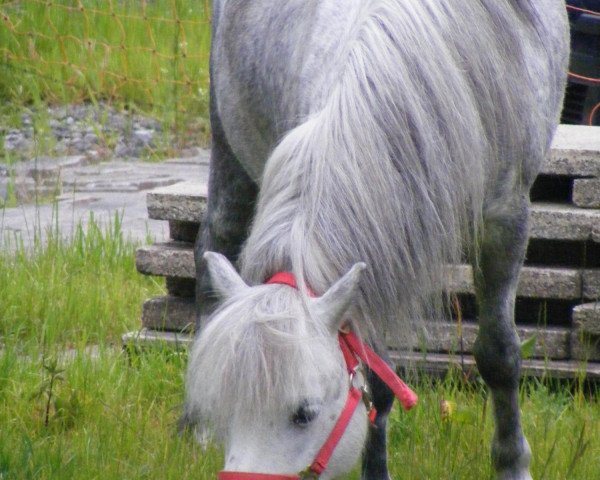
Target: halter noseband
{"type": "Point", "coordinates": [356, 353]}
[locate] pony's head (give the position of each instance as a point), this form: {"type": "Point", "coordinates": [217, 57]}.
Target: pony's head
{"type": "Point", "coordinates": [268, 377]}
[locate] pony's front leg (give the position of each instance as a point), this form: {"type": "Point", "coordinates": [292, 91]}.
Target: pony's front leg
{"type": "Point", "coordinates": [231, 198]}
{"type": "Point", "coordinates": [497, 349]}
{"type": "Point", "coordinates": [374, 464]}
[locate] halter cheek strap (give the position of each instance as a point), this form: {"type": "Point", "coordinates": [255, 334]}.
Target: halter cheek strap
{"type": "Point", "coordinates": [354, 351]}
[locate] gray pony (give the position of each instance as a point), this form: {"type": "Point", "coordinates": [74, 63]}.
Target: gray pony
{"type": "Point", "coordinates": [404, 134]}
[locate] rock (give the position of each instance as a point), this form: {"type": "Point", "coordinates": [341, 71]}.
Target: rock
{"type": "Point", "coordinates": [143, 136]}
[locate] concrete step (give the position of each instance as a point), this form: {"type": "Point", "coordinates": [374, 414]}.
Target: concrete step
{"type": "Point", "coordinates": [170, 259]}
{"type": "Point", "coordinates": [551, 221]}
{"type": "Point", "coordinates": [177, 314]}
{"type": "Point", "coordinates": [184, 206]}
{"type": "Point", "coordinates": [440, 364]}
{"type": "Point", "coordinates": [184, 202]}
{"type": "Point", "coordinates": [586, 192]}
{"type": "Point", "coordinates": [176, 259]}
{"type": "Point", "coordinates": [575, 152]}
{"type": "Point", "coordinates": [586, 318]}
{"type": "Point", "coordinates": [436, 363]}
{"type": "Point", "coordinates": [170, 313]}
{"type": "Point", "coordinates": [585, 339]}
{"type": "Point", "coordinates": [146, 338]}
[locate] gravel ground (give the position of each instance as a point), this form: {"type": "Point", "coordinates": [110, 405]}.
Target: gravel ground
{"type": "Point", "coordinates": [99, 132]}
{"type": "Point", "coordinates": [95, 162]}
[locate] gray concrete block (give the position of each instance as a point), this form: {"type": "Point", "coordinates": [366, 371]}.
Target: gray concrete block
{"type": "Point", "coordinates": [440, 364]}
{"type": "Point", "coordinates": [551, 221]}
{"type": "Point", "coordinates": [184, 201]}
{"type": "Point", "coordinates": [176, 259]}
{"type": "Point", "coordinates": [575, 152]}
{"type": "Point", "coordinates": [146, 338]}
{"type": "Point", "coordinates": [591, 284]}
{"type": "Point", "coordinates": [586, 192]}
{"type": "Point", "coordinates": [449, 337]}
{"type": "Point", "coordinates": [172, 259]}
{"type": "Point", "coordinates": [586, 318]}
{"type": "Point", "coordinates": [585, 347]}
{"type": "Point", "coordinates": [169, 313]}
{"type": "Point", "coordinates": [535, 282]}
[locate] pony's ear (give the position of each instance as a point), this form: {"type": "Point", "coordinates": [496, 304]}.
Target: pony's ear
{"type": "Point", "coordinates": [224, 278]}
{"type": "Point", "coordinates": [333, 304]}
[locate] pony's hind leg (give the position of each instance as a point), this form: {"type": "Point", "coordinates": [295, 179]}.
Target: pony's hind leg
{"type": "Point", "coordinates": [374, 464]}
{"type": "Point", "coordinates": [497, 349]}
{"type": "Point", "coordinates": [231, 198]}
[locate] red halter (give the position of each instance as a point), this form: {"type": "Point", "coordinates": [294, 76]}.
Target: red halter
{"type": "Point", "coordinates": [354, 351]}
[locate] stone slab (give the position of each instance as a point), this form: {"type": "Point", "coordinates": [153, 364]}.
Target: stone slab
{"type": "Point", "coordinates": [174, 313]}
{"type": "Point", "coordinates": [146, 338]}
{"type": "Point", "coordinates": [176, 259]}
{"type": "Point", "coordinates": [585, 347]}
{"type": "Point", "coordinates": [591, 284]}
{"type": "Point", "coordinates": [169, 313]}
{"type": "Point", "coordinates": [171, 259]}
{"type": "Point", "coordinates": [550, 221]}
{"type": "Point", "coordinates": [586, 192]}
{"type": "Point", "coordinates": [436, 363]}
{"type": "Point", "coordinates": [586, 318]}
{"type": "Point", "coordinates": [184, 201]}
{"type": "Point", "coordinates": [46, 168]}
{"type": "Point", "coordinates": [440, 364]}
{"type": "Point", "coordinates": [534, 282]}
{"type": "Point", "coordinates": [575, 152]}
{"type": "Point", "coordinates": [551, 342]}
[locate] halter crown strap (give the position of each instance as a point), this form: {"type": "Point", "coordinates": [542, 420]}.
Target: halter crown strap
{"type": "Point", "coordinates": [353, 347]}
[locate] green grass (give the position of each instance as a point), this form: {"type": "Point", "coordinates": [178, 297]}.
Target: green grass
{"type": "Point", "coordinates": [74, 405]}
{"type": "Point", "coordinates": [144, 56]}
{"type": "Point", "coordinates": [72, 293]}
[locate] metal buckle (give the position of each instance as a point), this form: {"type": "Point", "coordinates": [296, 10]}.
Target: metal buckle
{"type": "Point", "coordinates": [358, 377]}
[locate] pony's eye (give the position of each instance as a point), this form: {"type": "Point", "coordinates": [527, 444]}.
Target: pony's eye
{"type": "Point", "coordinates": [304, 415]}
